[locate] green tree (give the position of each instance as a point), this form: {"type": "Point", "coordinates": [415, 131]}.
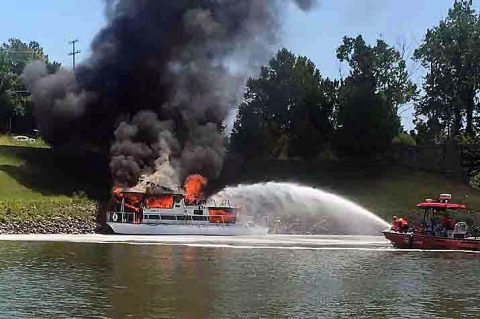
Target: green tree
{"type": "Point", "coordinates": [366, 121]}
{"type": "Point", "coordinates": [369, 98]}
{"type": "Point", "coordinates": [14, 98]}
{"type": "Point", "coordinates": [18, 54]}
{"type": "Point", "coordinates": [381, 65]}
{"type": "Point", "coordinates": [450, 53]}
{"type": "Point", "coordinates": [404, 138]}
{"type": "Point", "coordinates": [288, 109]}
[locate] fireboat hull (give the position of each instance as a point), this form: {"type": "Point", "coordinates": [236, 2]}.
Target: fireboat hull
{"type": "Point", "coordinates": [169, 229]}
{"type": "Point", "coordinates": [418, 241]}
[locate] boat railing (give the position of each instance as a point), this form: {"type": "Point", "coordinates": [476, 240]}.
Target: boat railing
{"type": "Point", "coordinates": [222, 203]}
{"type": "Point", "coordinates": [188, 219]}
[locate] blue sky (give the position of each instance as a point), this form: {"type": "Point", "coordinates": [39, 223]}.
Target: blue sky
{"type": "Point", "coordinates": [315, 34]}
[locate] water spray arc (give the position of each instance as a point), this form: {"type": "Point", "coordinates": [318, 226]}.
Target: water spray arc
{"type": "Point", "coordinates": [281, 200]}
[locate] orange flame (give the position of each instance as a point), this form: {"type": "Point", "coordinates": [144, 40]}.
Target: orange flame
{"type": "Point", "coordinates": [160, 201]}
{"type": "Point", "coordinates": [221, 216]}
{"type": "Point", "coordinates": [193, 187]}
{"type": "Point", "coordinates": [132, 200]}
{"type": "Point", "coordinates": [117, 190]}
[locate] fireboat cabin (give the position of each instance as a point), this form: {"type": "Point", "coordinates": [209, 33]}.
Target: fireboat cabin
{"type": "Point", "coordinates": [438, 229]}
{"type": "Point", "coordinates": [170, 212]}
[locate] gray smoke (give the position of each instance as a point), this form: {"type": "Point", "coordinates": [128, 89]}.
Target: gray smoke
{"type": "Point", "coordinates": [162, 78]}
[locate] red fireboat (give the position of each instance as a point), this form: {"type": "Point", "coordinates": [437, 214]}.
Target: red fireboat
{"type": "Point", "coordinates": [438, 229]}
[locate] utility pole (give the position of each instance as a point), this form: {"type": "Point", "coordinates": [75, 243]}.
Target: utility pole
{"type": "Point", "coordinates": [74, 52]}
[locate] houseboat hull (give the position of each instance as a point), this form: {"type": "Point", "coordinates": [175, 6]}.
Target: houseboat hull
{"type": "Point", "coordinates": [183, 229]}
{"type": "Point", "coordinates": [418, 241]}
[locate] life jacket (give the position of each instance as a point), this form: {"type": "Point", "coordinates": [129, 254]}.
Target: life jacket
{"type": "Point", "coordinates": [402, 222]}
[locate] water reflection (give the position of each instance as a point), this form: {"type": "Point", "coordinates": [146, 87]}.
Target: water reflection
{"type": "Point", "coordinates": [161, 281]}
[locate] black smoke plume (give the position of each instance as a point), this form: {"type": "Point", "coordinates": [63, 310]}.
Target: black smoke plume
{"type": "Point", "coordinates": [162, 78]}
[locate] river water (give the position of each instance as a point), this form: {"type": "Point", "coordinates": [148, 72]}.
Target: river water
{"type": "Point", "coordinates": [96, 276]}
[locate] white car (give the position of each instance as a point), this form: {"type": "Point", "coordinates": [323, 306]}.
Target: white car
{"type": "Point", "coordinates": [23, 138]}
{"type": "Point", "coordinates": [20, 138]}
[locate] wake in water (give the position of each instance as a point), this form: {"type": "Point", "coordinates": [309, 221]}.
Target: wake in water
{"type": "Point", "coordinates": [292, 208]}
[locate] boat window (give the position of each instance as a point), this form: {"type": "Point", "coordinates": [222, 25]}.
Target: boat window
{"type": "Point", "coordinates": [181, 217]}
{"type": "Point", "coordinates": [204, 218]}
{"type": "Point", "coordinates": [168, 217]}
{"type": "Point", "coordinates": [152, 217]}
{"type": "Point", "coordinates": [177, 205]}
{"type": "Point", "coordinates": [177, 199]}
{"type": "Point", "coordinates": [198, 212]}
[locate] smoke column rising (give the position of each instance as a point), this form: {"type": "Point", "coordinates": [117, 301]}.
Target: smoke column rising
{"type": "Point", "coordinates": [162, 78]}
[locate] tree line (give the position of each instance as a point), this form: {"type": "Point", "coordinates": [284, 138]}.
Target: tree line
{"type": "Point", "coordinates": [290, 110]}
{"type": "Point", "coordinates": [15, 100]}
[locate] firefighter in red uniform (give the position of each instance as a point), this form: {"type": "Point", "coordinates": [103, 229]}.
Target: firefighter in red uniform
{"type": "Point", "coordinates": [395, 224]}
{"type": "Point", "coordinates": [403, 225]}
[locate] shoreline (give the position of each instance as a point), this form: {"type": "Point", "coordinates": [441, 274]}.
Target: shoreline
{"type": "Point", "coordinates": [66, 225]}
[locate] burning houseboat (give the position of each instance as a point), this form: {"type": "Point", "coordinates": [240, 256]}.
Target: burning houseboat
{"type": "Point", "coordinates": [161, 210]}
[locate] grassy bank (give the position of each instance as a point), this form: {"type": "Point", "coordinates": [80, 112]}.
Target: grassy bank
{"type": "Point", "coordinates": [38, 184]}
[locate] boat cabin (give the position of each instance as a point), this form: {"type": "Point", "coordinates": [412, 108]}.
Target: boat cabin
{"type": "Point", "coordinates": [437, 220]}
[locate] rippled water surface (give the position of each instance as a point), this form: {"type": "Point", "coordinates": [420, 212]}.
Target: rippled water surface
{"type": "Point", "coordinates": [199, 277]}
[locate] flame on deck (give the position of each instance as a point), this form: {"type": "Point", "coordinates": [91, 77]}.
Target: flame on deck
{"type": "Point", "coordinates": [131, 200]}
{"type": "Point", "coordinates": [193, 187]}
{"type": "Point", "coordinates": [160, 201]}
{"type": "Point", "coordinates": [117, 191]}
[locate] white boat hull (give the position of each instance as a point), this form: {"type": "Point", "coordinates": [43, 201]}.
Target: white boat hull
{"type": "Point", "coordinates": [182, 229]}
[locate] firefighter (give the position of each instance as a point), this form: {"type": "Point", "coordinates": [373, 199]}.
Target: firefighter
{"type": "Point", "coordinates": [395, 224]}
{"type": "Point", "coordinates": [403, 225]}
{"type": "Point", "coordinates": [447, 222]}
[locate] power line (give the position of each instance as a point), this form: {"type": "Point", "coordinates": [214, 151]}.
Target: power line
{"type": "Point", "coordinates": [74, 52]}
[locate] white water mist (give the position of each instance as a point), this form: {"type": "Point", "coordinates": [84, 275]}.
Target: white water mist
{"type": "Point", "coordinates": [326, 212]}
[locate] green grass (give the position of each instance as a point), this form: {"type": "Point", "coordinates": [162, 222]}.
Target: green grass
{"type": "Point", "coordinates": [37, 183]}
{"type": "Point", "coordinates": [8, 140]}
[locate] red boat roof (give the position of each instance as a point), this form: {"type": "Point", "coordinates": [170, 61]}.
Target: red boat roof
{"type": "Point", "coordinates": [441, 205]}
